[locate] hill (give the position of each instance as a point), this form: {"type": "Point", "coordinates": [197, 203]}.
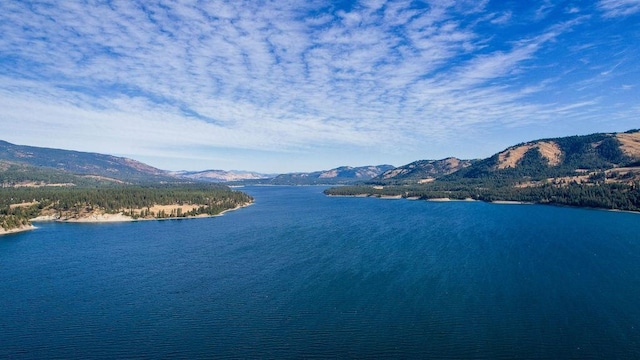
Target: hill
{"type": "Point", "coordinates": [35, 166]}
{"type": "Point", "coordinates": [423, 171]}
{"type": "Point", "coordinates": [597, 170]}
{"type": "Point", "coordinates": [23, 175]}
{"type": "Point", "coordinates": [559, 157]}
{"type": "Point", "coordinates": [19, 161]}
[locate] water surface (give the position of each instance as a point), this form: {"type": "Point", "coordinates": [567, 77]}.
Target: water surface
{"type": "Point", "coordinates": [299, 274]}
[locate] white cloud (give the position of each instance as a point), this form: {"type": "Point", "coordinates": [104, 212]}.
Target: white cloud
{"type": "Point", "coordinates": [502, 19]}
{"type": "Point", "coordinates": [280, 76]}
{"type": "Point", "coordinates": [615, 8]}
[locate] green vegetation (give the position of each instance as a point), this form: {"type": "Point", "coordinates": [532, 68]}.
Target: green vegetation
{"type": "Point", "coordinates": [589, 171]}
{"type": "Point", "coordinates": [73, 163]}
{"type": "Point", "coordinates": [18, 205]}
{"type": "Point", "coordinates": [607, 196]}
{"type": "Point", "coordinates": [12, 174]}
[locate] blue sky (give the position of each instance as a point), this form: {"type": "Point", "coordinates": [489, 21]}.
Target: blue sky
{"type": "Point", "coordinates": [282, 86]}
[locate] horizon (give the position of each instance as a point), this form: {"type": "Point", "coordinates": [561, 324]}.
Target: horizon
{"type": "Point", "coordinates": [269, 173]}
{"type": "Point", "coordinates": [282, 88]}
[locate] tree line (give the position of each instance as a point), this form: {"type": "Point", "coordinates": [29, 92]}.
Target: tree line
{"type": "Point", "coordinates": [210, 198]}
{"type": "Point", "coordinates": [606, 196]}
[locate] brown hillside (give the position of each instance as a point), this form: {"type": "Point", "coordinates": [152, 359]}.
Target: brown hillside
{"type": "Point", "coordinates": [630, 144]}
{"type": "Point", "coordinates": [548, 149]}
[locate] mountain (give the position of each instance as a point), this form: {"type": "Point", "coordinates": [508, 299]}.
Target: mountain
{"type": "Point", "coordinates": [221, 175]}
{"type": "Point", "coordinates": [569, 158]}
{"type": "Point", "coordinates": [340, 175]}
{"type": "Point", "coordinates": [559, 157]}
{"type": "Point", "coordinates": [19, 174]}
{"type": "Point", "coordinates": [57, 162]}
{"type": "Point", "coordinates": [597, 170]}
{"type": "Point", "coordinates": [37, 166]}
{"type": "Point", "coordinates": [423, 171]}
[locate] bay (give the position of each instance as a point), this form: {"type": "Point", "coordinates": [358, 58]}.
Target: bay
{"type": "Point", "coordinates": [302, 275]}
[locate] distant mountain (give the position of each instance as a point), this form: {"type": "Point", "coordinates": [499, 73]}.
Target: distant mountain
{"type": "Point", "coordinates": [222, 175]}
{"type": "Point", "coordinates": [36, 166]}
{"type": "Point", "coordinates": [99, 166]}
{"type": "Point", "coordinates": [340, 175]}
{"type": "Point", "coordinates": [423, 171]}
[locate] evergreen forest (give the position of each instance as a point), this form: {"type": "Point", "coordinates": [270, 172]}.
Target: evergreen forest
{"type": "Point", "coordinates": [19, 204]}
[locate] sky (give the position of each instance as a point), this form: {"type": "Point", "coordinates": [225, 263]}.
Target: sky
{"type": "Point", "coordinates": [283, 86]}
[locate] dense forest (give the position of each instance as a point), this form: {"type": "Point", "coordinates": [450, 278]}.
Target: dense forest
{"type": "Point", "coordinates": [606, 196]}
{"type": "Point", "coordinates": [18, 205]}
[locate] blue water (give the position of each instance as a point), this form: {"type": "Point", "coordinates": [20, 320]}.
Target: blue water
{"type": "Point", "coordinates": [301, 275]}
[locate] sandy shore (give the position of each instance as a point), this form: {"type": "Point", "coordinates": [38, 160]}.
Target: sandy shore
{"type": "Point", "coordinates": [505, 202]}
{"type": "Point", "coordinates": [16, 230]}
{"type": "Point", "coordinates": [107, 218]}
{"type": "Point", "coordinates": [100, 218]}
{"type": "Point", "coordinates": [390, 197]}
{"type": "Point", "coordinates": [89, 218]}
{"type": "Point", "coordinates": [234, 209]}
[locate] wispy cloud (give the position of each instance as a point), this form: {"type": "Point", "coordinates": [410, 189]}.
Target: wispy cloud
{"type": "Point", "coordinates": [161, 77]}
{"type": "Point", "coordinates": [615, 8]}
{"type": "Point", "coordinates": [503, 18]}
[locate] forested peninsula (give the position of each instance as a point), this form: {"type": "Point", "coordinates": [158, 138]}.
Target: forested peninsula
{"type": "Point", "coordinates": [20, 205]}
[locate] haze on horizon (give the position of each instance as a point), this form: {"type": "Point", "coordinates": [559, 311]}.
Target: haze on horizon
{"type": "Point", "coordinates": [282, 86]}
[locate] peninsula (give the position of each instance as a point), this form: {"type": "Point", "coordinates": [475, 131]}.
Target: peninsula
{"type": "Point", "coordinates": [21, 205]}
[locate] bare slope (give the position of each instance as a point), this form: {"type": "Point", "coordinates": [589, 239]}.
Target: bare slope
{"type": "Point", "coordinates": [549, 150]}
{"type": "Point", "coordinates": [424, 170]}
{"type": "Point", "coordinates": [630, 143]}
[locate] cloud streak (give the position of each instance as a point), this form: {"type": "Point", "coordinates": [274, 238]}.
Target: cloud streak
{"type": "Point", "coordinates": [279, 76]}
{"type": "Point", "coordinates": [616, 8]}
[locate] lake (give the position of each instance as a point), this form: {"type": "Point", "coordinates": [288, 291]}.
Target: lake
{"type": "Point", "coordinates": [302, 275]}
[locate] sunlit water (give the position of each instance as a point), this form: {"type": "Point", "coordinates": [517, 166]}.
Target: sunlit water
{"type": "Point", "coordinates": [302, 275]}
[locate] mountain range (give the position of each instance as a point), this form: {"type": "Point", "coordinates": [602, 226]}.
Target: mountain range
{"type": "Point", "coordinates": [222, 175]}
{"type": "Point", "coordinates": [598, 170]}
{"type": "Point", "coordinates": [616, 156]}
{"type": "Point", "coordinates": [22, 165]}
{"type": "Point", "coordinates": [340, 175]}
{"type": "Point", "coordinates": [573, 158]}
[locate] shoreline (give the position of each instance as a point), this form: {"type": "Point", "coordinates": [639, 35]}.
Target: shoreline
{"type": "Point", "coordinates": [509, 202]}
{"type": "Point", "coordinates": [120, 217]}
{"type": "Point", "coordinates": [17, 230]}
{"type": "Point", "coordinates": [496, 202]}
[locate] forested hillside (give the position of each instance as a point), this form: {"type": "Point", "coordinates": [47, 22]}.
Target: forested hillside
{"type": "Point", "coordinates": [597, 170]}
{"type": "Point", "coordinates": [58, 161]}
{"type": "Point", "coordinates": [422, 171]}
{"type": "Point", "coordinates": [21, 175]}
